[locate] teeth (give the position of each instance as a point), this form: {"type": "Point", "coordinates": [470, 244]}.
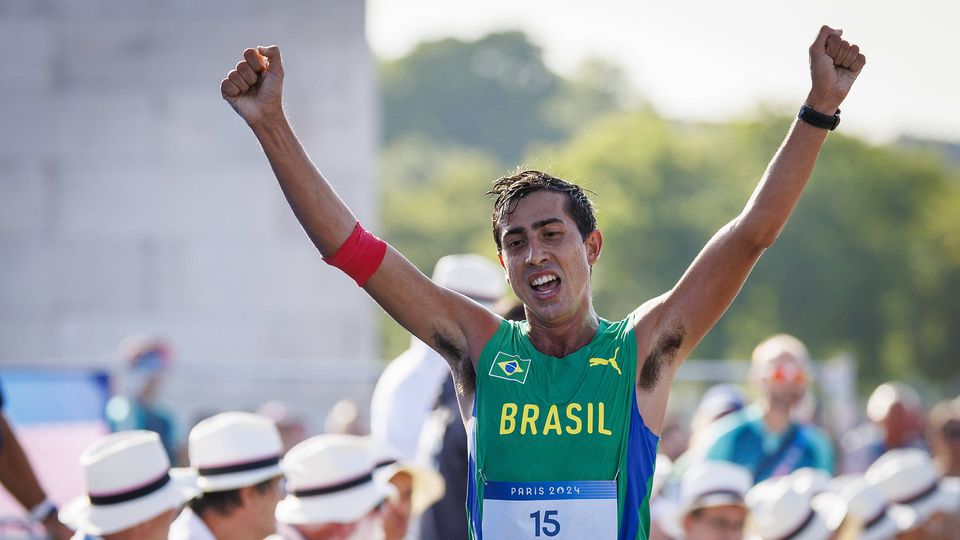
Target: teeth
{"type": "Point", "coordinates": [543, 279]}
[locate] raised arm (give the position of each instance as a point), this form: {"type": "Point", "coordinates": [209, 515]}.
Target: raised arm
{"type": "Point", "coordinates": [451, 323]}
{"type": "Point", "coordinates": [670, 326]}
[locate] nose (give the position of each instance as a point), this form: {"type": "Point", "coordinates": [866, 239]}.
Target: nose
{"type": "Point", "coordinates": [536, 254]}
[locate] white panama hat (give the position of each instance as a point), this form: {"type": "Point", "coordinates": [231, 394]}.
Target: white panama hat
{"type": "Point", "coordinates": [128, 482]}
{"type": "Point", "coordinates": [811, 480]}
{"type": "Point", "coordinates": [909, 479]}
{"type": "Point", "coordinates": [714, 483]}
{"type": "Point", "coordinates": [233, 450]}
{"type": "Point", "coordinates": [471, 275]}
{"type": "Point", "coordinates": [707, 484]}
{"type": "Point", "coordinates": [428, 484]}
{"type": "Point", "coordinates": [330, 480]}
{"type": "Point", "coordinates": [867, 508]}
{"type": "Point", "coordinates": [782, 510]}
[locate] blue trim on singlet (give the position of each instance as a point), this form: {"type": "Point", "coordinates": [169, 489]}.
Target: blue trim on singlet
{"type": "Point", "coordinates": [641, 460]}
{"type": "Point", "coordinates": [473, 504]}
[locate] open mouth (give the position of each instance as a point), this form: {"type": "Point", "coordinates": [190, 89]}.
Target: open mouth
{"type": "Point", "coordinates": [545, 285]}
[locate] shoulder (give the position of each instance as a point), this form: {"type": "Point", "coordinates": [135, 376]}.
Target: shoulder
{"type": "Point", "coordinates": [817, 437]}
{"type": "Point", "coordinates": [721, 433]}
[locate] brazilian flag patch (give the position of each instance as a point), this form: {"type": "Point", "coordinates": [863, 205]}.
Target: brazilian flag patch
{"type": "Point", "coordinates": [510, 367]}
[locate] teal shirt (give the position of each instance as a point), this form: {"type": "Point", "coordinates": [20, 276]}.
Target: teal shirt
{"type": "Point", "coordinates": [744, 439]}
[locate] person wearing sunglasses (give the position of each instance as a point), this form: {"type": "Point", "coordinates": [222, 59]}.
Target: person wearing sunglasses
{"type": "Point", "coordinates": [765, 437]}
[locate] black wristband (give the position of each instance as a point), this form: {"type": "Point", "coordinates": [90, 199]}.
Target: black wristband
{"type": "Point", "coordinates": [818, 119]}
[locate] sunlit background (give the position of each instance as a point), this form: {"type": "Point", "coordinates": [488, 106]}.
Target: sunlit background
{"type": "Point", "coordinates": [133, 201]}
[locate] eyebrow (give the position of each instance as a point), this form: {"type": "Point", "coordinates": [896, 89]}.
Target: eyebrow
{"type": "Point", "coordinates": [536, 225]}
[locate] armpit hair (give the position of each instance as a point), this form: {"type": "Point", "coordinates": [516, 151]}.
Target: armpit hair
{"type": "Point", "coordinates": [464, 376]}
{"type": "Point", "coordinates": [664, 353]}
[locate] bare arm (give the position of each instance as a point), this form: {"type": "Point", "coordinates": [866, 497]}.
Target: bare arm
{"type": "Point", "coordinates": [669, 327]}
{"type": "Point", "coordinates": [17, 476]}
{"type": "Point", "coordinates": [449, 322]}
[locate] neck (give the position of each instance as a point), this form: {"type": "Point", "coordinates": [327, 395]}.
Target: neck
{"type": "Point", "coordinates": [776, 417]}
{"type": "Point", "coordinates": [323, 532]}
{"type": "Point", "coordinates": [562, 338]}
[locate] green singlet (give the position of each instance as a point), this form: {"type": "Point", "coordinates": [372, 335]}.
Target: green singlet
{"type": "Point", "coordinates": [557, 447]}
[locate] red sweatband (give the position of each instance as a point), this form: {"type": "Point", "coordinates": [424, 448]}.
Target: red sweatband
{"type": "Point", "coordinates": [359, 256]}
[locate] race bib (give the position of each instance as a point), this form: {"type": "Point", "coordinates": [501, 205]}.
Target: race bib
{"type": "Point", "coordinates": [550, 510]}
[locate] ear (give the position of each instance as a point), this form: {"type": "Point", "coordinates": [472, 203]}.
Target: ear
{"type": "Point", "coordinates": [506, 275]}
{"type": "Point", "coordinates": [593, 243]}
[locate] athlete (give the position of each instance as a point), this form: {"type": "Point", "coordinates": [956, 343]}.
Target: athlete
{"type": "Point", "coordinates": [563, 411]}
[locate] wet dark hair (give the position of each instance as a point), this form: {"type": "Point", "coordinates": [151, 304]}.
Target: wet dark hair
{"type": "Point", "coordinates": [508, 191]}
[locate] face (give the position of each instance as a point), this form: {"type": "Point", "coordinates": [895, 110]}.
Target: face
{"type": "Point", "coordinates": [784, 380]}
{"type": "Point", "coordinates": [717, 523]}
{"type": "Point", "coordinates": [547, 262]}
{"type": "Point", "coordinates": [157, 528]}
{"type": "Point", "coordinates": [261, 507]}
{"type": "Point", "coordinates": [396, 515]}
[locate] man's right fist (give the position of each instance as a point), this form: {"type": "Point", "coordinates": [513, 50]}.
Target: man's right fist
{"type": "Point", "coordinates": [255, 87]}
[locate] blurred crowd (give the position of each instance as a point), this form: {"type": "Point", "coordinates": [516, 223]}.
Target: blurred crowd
{"type": "Point", "coordinates": [753, 462]}
{"type": "Point", "coordinates": [763, 469]}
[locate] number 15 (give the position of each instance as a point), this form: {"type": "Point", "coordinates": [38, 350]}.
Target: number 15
{"type": "Point", "coordinates": [548, 519]}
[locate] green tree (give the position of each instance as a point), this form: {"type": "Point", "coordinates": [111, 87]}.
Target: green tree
{"type": "Point", "coordinates": [494, 93]}
{"type": "Point", "coordinates": [855, 270]}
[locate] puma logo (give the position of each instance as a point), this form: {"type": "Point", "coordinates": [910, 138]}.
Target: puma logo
{"type": "Point", "coordinates": [612, 362]}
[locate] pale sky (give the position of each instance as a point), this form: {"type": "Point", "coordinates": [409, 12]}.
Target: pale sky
{"type": "Point", "coordinates": [703, 59]}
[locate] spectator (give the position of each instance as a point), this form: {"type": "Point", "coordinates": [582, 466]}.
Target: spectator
{"type": "Point", "coordinates": [895, 414]}
{"type": "Point", "coordinates": [18, 478]}
{"type": "Point", "coordinates": [145, 362]}
{"type": "Point", "coordinates": [131, 491]}
{"type": "Point", "coordinates": [236, 456]}
{"type": "Point", "coordinates": [924, 502]}
{"type": "Point", "coordinates": [764, 437]}
{"type": "Point", "coordinates": [944, 436]}
{"type": "Point", "coordinates": [417, 489]}
{"type": "Point", "coordinates": [780, 509]}
{"type": "Point", "coordinates": [712, 503]}
{"type": "Point", "coordinates": [410, 384]}
{"type": "Point", "coordinates": [332, 493]}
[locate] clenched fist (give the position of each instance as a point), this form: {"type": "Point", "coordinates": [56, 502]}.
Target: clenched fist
{"type": "Point", "coordinates": [834, 65]}
{"type": "Point", "coordinates": [255, 87]}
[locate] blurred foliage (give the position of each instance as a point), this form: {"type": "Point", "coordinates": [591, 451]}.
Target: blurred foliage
{"type": "Point", "coordinates": [868, 265]}
{"type": "Point", "coordinates": [495, 94]}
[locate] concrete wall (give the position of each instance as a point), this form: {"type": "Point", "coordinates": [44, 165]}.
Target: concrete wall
{"type": "Point", "coordinates": [133, 199]}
